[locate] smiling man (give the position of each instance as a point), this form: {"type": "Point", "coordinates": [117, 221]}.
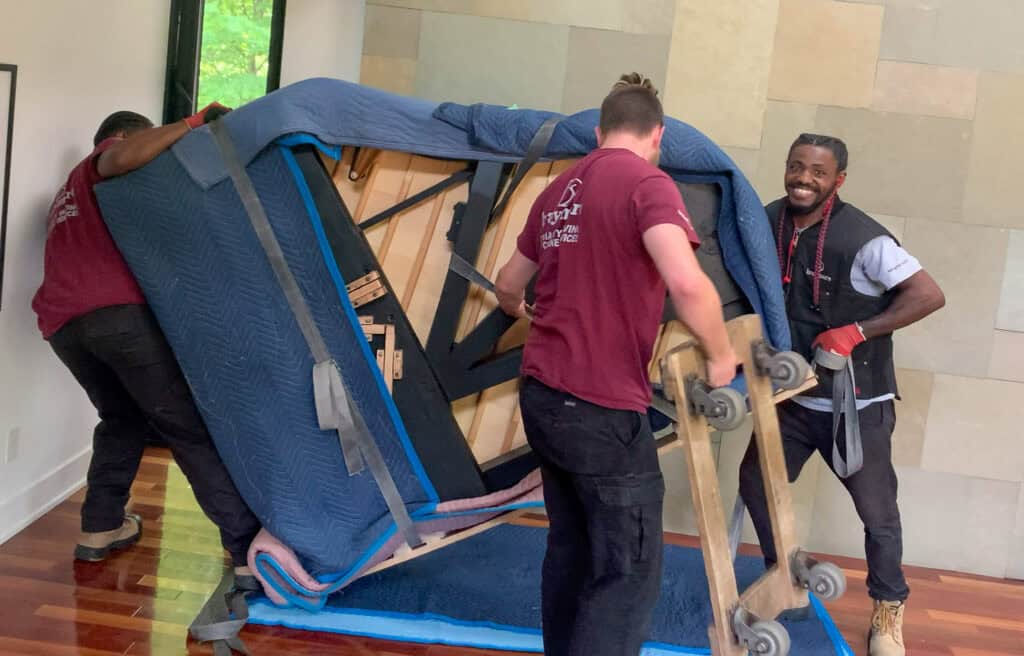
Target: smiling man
{"type": "Point", "coordinates": [848, 286]}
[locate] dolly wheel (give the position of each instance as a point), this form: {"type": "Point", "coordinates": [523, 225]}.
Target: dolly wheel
{"type": "Point", "coordinates": [771, 639]}
{"type": "Point", "coordinates": [730, 409]}
{"type": "Point", "coordinates": [788, 370]}
{"type": "Point", "coordinates": [827, 581]}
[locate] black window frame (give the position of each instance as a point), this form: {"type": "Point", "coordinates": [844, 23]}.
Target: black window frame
{"type": "Point", "coordinates": [184, 44]}
{"type": "Point", "coordinates": [5, 174]}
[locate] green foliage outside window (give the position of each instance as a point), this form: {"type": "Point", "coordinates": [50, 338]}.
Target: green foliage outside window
{"type": "Point", "coordinates": [235, 51]}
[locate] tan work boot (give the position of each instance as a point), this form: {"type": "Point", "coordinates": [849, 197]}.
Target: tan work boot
{"type": "Point", "coordinates": [886, 636]}
{"type": "Point", "coordinates": [94, 547]}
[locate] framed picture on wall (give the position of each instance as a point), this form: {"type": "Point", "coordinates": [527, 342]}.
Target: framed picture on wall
{"type": "Point", "coordinates": [8, 80]}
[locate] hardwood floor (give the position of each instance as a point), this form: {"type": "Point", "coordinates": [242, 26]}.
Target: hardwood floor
{"type": "Point", "coordinates": [141, 601]}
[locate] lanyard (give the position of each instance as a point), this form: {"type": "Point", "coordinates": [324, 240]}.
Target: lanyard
{"type": "Point", "coordinates": [787, 276]}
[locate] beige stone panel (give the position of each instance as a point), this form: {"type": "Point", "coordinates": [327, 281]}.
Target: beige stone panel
{"type": "Point", "coordinates": [389, 73]}
{"type": "Point", "coordinates": [930, 90]}
{"type": "Point", "coordinates": [1015, 568]}
{"type": "Point", "coordinates": [826, 52]}
{"type": "Point", "coordinates": [983, 34]}
{"type": "Point", "coordinates": [600, 14]}
{"type": "Point", "coordinates": [1011, 302]}
{"type": "Point", "coordinates": [974, 428]}
{"type": "Point", "coordinates": [958, 338]}
{"type": "Point", "coordinates": [469, 59]}
{"type": "Point", "coordinates": [392, 32]}
{"type": "Point", "coordinates": [719, 65]}
{"type": "Point", "coordinates": [897, 225]}
{"type": "Point", "coordinates": [902, 165]}
{"type": "Point", "coordinates": [911, 416]}
{"type": "Point", "coordinates": [648, 16]}
{"type": "Point", "coordinates": [1007, 356]}
{"type": "Point", "coordinates": [996, 166]}
{"type": "Point", "coordinates": [746, 159]}
{"type": "Point", "coordinates": [949, 521]}
{"type": "Point", "coordinates": [598, 57]}
{"type": "Point", "coordinates": [909, 31]}
{"type": "Point", "coordinates": [783, 123]}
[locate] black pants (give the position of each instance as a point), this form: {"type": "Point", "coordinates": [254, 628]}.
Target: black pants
{"type": "Point", "coordinates": [120, 357]}
{"type": "Point", "coordinates": [873, 488]}
{"type": "Point", "coordinates": [603, 490]}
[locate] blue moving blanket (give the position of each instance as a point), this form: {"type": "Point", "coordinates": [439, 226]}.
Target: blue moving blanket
{"type": "Point", "coordinates": [485, 592]}
{"type": "Point", "coordinates": [346, 114]}
{"type": "Point", "coordinates": [185, 234]}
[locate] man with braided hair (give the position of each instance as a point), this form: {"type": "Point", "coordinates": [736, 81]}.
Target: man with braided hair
{"type": "Point", "coordinates": [848, 286]}
{"type": "Point", "coordinates": [605, 240]}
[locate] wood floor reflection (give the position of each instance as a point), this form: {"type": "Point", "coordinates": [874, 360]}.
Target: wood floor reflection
{"type": "Point", "coordinates": [141, 601]}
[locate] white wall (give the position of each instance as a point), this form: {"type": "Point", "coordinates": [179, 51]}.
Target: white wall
{"type": "Point", "coordinates": [322, 38]}
{"type": "Point", "coordinates": [77, 62]}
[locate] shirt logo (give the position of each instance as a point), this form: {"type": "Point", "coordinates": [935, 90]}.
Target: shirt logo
{"type": "Point", "coordinates": [560, 223]}
{"type": "Point", "coordinates": [570, 192]}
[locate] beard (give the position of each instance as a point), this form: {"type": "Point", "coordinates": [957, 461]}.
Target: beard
{"type": "Point", "coordinates": [811, 207]}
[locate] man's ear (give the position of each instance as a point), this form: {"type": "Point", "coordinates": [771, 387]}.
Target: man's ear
{"type": "Point", "coordinates": [599, 135]}
{"type": "Point", "coordinates": [657, 135]}
{"type": "Point", "coordinates": [840, 179]}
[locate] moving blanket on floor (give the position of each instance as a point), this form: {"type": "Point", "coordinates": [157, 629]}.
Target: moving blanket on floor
{"type": "Point", "coordinates": [485, 592]}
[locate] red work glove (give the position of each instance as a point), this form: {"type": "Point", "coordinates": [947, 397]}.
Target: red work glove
{"type": "Point", "coordinates": [840, 341]}
{"type": "Point", "coordinates": [209, 113]}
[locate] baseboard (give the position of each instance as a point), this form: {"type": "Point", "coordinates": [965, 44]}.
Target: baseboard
{"type": "Point", "coordinates": [35, 501]}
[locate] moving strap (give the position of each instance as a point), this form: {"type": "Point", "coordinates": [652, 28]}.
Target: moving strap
{"type": "Point", "coordinates": [224, 614]}
{"type": "Point", "coordinates": [334, 406]}
{"type": "Point", "coordinates": [534, 152]}
{"type": "Point", "coordinates": [844, 402]}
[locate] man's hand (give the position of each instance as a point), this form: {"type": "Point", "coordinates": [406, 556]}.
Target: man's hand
{"type": "Point", "coordinates": [840, 341]}
{"type": "Point", "coordinates": [722, 370]}
{"type": "Point", "coordinates": [211, 112]}
{"type": "Point", "coordinates": [510, 285]}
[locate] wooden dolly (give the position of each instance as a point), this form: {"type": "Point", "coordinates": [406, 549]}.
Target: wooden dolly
{"type": "Point", "coordinates": [745, 622]}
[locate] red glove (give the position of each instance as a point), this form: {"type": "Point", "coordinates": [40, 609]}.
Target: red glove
{"type": "Point", "coordinates": [209, 113]}
{"type": "Point", "coordinates": [840, 341]}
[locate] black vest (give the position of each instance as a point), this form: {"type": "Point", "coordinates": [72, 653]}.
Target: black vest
{"type": "Point", "coordinates": [839, 303]}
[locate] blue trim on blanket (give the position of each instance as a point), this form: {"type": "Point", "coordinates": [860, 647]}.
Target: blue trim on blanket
{"type": "Point", "coordinates": [350, 313]}
{"type": "Point", "coordinates": [842, 648]}
{"type": "Point", "coordinates": [426, 628]}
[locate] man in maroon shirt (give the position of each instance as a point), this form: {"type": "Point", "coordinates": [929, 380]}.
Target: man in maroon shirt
{"type": "Point", "coordinates": [605, 240]}
{"type": "Point", "coordinates": [94, 316]}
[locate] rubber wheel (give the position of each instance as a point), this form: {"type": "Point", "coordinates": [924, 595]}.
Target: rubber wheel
{"type": "Point", "coordinates": [734, 408]}
{"type": "Point", "coordinates": [827, 581]}
{"type": "Point", "coordinates": [772, 639]}
{"type": "Point", "coordinates": [788, 370]}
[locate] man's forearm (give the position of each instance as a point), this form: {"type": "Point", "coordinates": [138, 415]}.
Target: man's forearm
{"type": "Point", "coordinates": [699, 307]}
{"type": "Point", "coordinates": [139, 149]}
{"type": "Point", "coordinates": [911, 304]}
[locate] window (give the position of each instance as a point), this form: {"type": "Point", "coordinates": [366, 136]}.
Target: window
{"type": "Point", "coordinates": [222, 50]}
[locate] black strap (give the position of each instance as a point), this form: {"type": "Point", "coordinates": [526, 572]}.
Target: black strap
{"type": "Point", "coordinates": [456, 178]}
{"type": "Point", "coordinates": [335, 410]}
{"type": "Point", "coordinates": [534, 152]}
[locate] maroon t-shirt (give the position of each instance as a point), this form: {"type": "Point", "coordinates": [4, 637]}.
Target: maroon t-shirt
{"type": "Point", "coordinates": [82, 268]}
{"type": "Point", "coordinates": [599, 298]}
